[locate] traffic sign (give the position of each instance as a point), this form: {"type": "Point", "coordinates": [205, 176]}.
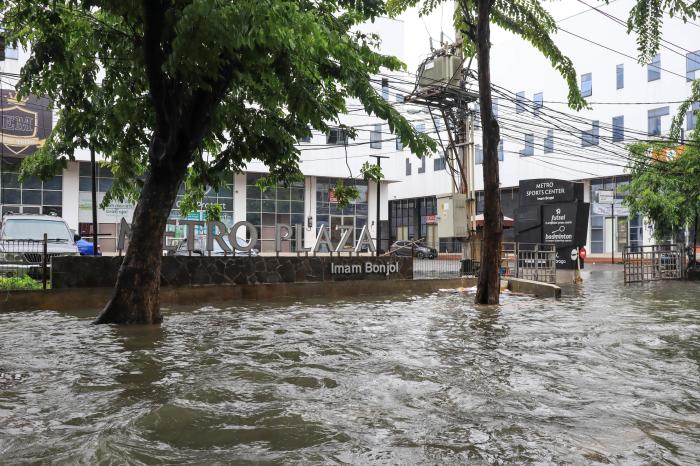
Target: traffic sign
{"type": "Point", "coordinates": [582, 252]}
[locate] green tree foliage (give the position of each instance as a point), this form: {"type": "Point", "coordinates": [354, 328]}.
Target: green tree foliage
{"type": "Point", "coordinates": [665, 184]}
{"type": "Point", "coordinates": [175, 89]}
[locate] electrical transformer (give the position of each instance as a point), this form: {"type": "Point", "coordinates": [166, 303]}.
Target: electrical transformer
{"type": "Point", "coordinates": [452, 216]}
{"type": "Point", "coordinates": [440, 71]}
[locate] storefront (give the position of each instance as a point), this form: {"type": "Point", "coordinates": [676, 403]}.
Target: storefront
{"type": "Point", "coordinates": [612, 227]}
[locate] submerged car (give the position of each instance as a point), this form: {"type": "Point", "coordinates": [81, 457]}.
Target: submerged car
{"type": "Point", "coordinates": [408, 248]}
{"type": "Point", "coordinates": [200, 249]}
{"type": "Point", "coordinates": [21, 243]}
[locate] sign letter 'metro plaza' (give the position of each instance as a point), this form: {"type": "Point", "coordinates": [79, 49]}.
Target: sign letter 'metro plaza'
{"type": "Point", "coordinates": [217, 231]}
{"type": "Point", "coordinates": [553, 211]}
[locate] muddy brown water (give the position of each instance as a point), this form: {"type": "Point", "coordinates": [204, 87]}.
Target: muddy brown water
{"type": "Point", "coordinates": [608, 374]}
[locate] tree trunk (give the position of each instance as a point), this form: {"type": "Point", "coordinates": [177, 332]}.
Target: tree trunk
{"type": "Point", "coordinates": [695, 238]}
{"type": "Point", "coordinates": [135, 299]}
{"type": "Point", "coordinates": [488, 288]}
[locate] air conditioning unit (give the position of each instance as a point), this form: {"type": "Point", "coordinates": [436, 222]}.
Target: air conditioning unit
{"type": "Point", "coordinates": [440, 71]}
{"type": "Point", "coordinates": [452, 216]}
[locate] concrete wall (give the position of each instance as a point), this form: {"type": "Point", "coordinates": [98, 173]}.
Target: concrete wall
{"type": "Point", "coordinates": [179, 271]}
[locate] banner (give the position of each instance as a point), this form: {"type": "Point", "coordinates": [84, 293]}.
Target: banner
{"type": "Point", "coordinates": [25, 124]}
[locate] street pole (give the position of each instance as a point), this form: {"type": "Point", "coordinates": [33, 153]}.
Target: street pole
{"type": "Point", "coordinates": [94, 200]}
{"type": "Point", "coordinates": [612, 230]}
{"type": "Point", "coordinates": [378, 159]}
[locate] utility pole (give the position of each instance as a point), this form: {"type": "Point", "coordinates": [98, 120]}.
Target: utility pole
{"type": "Point", "coordinates": [94, 200]}
{"type": "Point", "coordinates": [378, 159]}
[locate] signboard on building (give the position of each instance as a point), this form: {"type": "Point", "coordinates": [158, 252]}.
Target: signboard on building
{"type": "Point", "coordinates": [26, 123]}
{"type": "Point", "coordinates": [541, 191]}
{"type": "Point", "coordinates": [606, 197]}
{"type": "Point", "coordinates": [431, 219]}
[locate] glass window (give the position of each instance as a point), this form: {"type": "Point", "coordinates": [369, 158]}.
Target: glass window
{"type": "Point", "coordinates": [30, 192]}
{"type": "Point", "coordinates": [336, 136]}
{"type": "Point", "coordinates": [478, 155]}
{"type": "Point", "coordinates": [620, 76]}
{"type": "Point", "coordinates": [408, 166]}
{"type": "Point", "coordinates": [520, 102]}
{"type": "Point", "coordinates": [692, 116]}
{"type": "Point", "coordinates": [654, 68]}
{"type": "Point", "coordinates": [538, 101]}
{"type": "Point", "coordinates": [692, 64]}
{"type": "Point", "coordinates": [618, 128]}
{"type": "Point", "coordinates": [591, 137]}
{"type": "Point", "coordinates": [11, 53]}
{"type": "Point", "coordinates": [654, 120]}
{"type": "Point", "coordinates": [439, 163]}
{"type": "Point", "coordinates": [421, 169]}
{"type": "Point", "coordinates": [375, 137]}
{"type": "Point", "coordinates": [500, 150]}
{"type": "Point", "coordinates": [385, 89]}
{"type": "Point", "coordinates": [399, 144]}
{"type": "Point", "coordinates": [529, 148]}
{"type": "Point", "coordinates": [587, 84]}
{"type": "Point", "coordinates": [549, 142]}
{"type": "Point", "coordinates": [494, 107]}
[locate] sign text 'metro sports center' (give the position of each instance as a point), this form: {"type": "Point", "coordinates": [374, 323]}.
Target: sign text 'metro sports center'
{"type": "Point", "coordinates": [541, 191]}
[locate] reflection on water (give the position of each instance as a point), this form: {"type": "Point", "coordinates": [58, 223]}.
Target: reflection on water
{"type": "Point", "coordinates": [607, 374]}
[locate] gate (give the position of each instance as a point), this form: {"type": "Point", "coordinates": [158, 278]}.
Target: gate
{"type": "Point", "coordinates": [530, 261]}
{"type": "Point", "coordinates": [652, 263]}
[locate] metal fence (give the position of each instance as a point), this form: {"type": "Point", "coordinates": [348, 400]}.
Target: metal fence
{"type": "Point", "coordinates": [530, 261]}
{"type": "Point", "coordinates": [652, 263]}
{"type": "Point", "coordinates": [443, 266]}
{"type": "Point", "coordinates": [24, 264]}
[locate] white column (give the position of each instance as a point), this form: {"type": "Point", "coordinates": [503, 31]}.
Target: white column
{"type": "Point", "coordinates": [239, 197]}
{"type": "Point", "coordinates": [309, 210]}
{"type": "Point", "coordinates": [71, 193]}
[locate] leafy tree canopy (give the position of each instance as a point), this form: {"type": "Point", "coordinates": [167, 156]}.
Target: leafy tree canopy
{"type": "Point", "coordinates": [664, 184]}
{"type": "Point", "coordinates": [236, 80]}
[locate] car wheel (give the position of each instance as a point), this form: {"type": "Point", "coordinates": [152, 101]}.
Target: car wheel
{"type": "Point", "coordinates": [420, 255]}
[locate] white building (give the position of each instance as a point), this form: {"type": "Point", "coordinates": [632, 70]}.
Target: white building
{"type": "Point", "coordinates": [543, 138]}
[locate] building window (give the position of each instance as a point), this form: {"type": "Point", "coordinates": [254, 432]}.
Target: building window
{"type": "Point", "coordinates": [618, 128]}
{"type": "Point", "coordinates": [620, 76]}
{"type": "Point", "coordinates": [329, 214]}
{"type": "Point", "coordinates": [375, 137]}
{"type": "Point", "coordinates": [654, 68]}
{"type": "Point", "coordinates": [420, 127]}
{"type": "Point", "coordinates": [591, 137]}
{"type": "Point", "coordinates": [529, 148]}
{"type": "Point", "coordinates": [336, 136]}
{"type": "Point", "coordinates": [500, 150]}
{"type": "Point", "coordinates": [587, 84]}
{"type": "Point", "coordinates": [654, 120]}
{"type": "Point", "coordinates": [306, 138]}
{"type": "Point", "coordinates": [399, 144]}
{"type": "Point", "coordinates": [692, 117]}
{"type": "Point", "coordinates": [478, 155]}
{"type": "Point", "coordinates": [549, 142]}
{"type": "Point", "coordinates": [437, 122]}
{"type": "Point", "coordinates": [520, 102]}
{"type": "Point", "coordinates": [439, 163]}
{"type": "Point", "coordinates": [385, 89]}
{"type": "Point", "coordinates": [494, 107]}
{"type": "Point", "coordinates": [692, 64]}
{"type": "Point", "coordinates": [32, 196]}
{"type": "Point", "coordinates": [537, 102]}
{"type": "Point", "coordinates": [408, 166]}
{"type": "Point", "coordinates": [421, 169]}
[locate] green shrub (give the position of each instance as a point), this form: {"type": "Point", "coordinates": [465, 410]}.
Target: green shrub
{"type": "Point", "coordinates": [23, 282]}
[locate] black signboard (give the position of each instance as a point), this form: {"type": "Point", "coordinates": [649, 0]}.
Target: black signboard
{"type": "Point", "coordinates": [565, 224]}
{"type": "Point", "coordinates": [566, 258]}
{"type": "Point", "coordinates": [547, 191]}
{"type": "Point", "coordinates": [25, 124]}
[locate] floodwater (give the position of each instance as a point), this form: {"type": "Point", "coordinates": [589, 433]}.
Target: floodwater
{"type": "Point", "coordinates": [608, 374]}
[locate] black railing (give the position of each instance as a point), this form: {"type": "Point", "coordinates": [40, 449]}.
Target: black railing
{"type": "Point", "coordinates": [24, 264]}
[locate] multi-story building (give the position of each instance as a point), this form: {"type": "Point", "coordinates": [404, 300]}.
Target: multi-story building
{"type": "Point", "coordinates": [542, 138]}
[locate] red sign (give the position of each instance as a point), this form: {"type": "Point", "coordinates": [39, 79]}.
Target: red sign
{"type": "Point", "coordinates": [331, 196]}
{"type": "Point", "coordinates": [430, 219]}
{"type": "Point", "coordinates": [582, 252]}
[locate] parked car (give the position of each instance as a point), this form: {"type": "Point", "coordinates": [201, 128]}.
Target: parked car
{"type": "Point", "coordinates": [21, 243]}
{"type": "Point", "coordinates": [85, 247]}
{"type": "Point", "coordinates": [419, 250]}
{"type": "Point", "coordinates": [200, 249]}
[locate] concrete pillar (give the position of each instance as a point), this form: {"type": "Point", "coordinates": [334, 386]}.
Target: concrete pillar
{"type": "Point", "coordinates": [239, 197]}
{"type": "Point", "coordinates": [71, 193]}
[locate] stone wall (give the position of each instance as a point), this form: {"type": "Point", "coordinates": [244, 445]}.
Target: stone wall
{"type": "Point", "coordinates": [182, 271]}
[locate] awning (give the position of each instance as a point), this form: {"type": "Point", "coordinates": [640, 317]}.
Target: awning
{"type": "Point", "coordinates": [507, 221]}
